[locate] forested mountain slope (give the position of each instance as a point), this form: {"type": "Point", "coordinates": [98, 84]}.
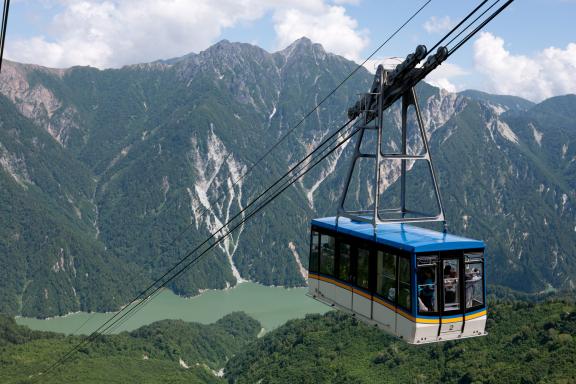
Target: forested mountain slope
{"type": "Point", "coordinates": [113, 164]}
{"type": "Point", "coordinates": [526, 343]}
{"type": "Point", "coordinates": [169, 351]}
{"type": "Point", "coordinates": [51, 262]}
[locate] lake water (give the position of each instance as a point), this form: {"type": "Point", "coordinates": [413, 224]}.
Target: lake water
{"type": "Point", "coordinates": [271, 306]}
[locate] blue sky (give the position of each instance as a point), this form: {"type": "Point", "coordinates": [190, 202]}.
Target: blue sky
{"type": "Point", "coordinates": [529, 50]}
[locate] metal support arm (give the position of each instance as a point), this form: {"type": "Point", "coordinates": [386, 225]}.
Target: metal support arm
{"type": "Point", "coordinates": [371, 108]}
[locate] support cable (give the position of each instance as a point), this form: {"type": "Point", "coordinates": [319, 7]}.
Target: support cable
{"type": "Point", "coordinates": [5, 10]}
{"type": "Point", "coordinates": [182, 232]}
{"type": "Point", "coordinates": [143, 293]}
{"type": "Point", "coordinates": [479, 27]}
{"type": "Point", "coordinates": [106, 326]}
{"type": "Point", "coordinates": [308, 114]}
{"type": "Point", "coordinates": [262, 205]}
{"type": "Point", "coordinates": [249, 170]}
{"type": "Point", "coordinates": [266, 202]}
{"type": "Point", "coordinates": [458, 25]}
{"type": "Point", "coordinates": [123, 319]}
{"type": "Point", "coordinates": [472, 22]}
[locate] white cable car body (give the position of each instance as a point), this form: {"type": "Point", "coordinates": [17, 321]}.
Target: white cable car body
{"type": "Point", "coordinates": [420, 285]}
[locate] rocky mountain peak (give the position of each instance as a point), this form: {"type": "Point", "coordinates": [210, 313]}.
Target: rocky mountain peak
{"type": "Point", "coordinates": [302, 42]}
{"type": "Point", "coordinates": [226, 48]}
{"type": "Point", "coordinates": [303, 47]}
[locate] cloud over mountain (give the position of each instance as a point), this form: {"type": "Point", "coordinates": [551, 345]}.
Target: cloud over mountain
{"type": "Point", "coordinates": [550, 72]}
{"type": "Point", "coordinates": [120, 32]}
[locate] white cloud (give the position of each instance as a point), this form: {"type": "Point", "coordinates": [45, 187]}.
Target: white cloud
{"type": "Point", "coordinates": [550, 72]}
{"type": "Point", "coordinates": [444, 83]}
{"type": "Point", "coordinates": [118, 32]}
{"type": "Point", "coordinates": [388, 63]}
{"type": "Point", "coordinates": [443, 77]}
{"type": "Point", "coordinates": [352, 2]}
{"type": "Point", "coordinates": [113, 33]}
{"type": "Point", "coordinates": [330, 26]}
{"type": "Point", "coordinates": [438, 24]}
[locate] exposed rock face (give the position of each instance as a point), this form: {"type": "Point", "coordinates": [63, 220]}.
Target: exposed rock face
{"type": "Point", "coordinates": [36, 101]}
{"type": "Point", "coordinates": [15, 167]}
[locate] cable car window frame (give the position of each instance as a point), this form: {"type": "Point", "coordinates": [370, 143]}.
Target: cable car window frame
{"type": "Point", "coordinates": [451, 255]}
{"type": "Point", "coordinates": [397, 253]}
{"type": "Point", "coordinates": [475, 257]}
{"type": "Point", "coordinates": [428, 260]}
{"type": "Point", "coordinates": [407, 258]}
{"type": "Point", "coordinates": [381, 294]}
{"type": "Point", "coordinates": [362, 246]}
{"type": "Point", "coordinates": [314, 259]}
{"type": "Point", "coordinates": [373, 247]}
{"type": "Point", "coordinates": [340, 276]}
{"type": "Point", "coordinates": [321, 264]}
{"type": "Point", "coordinates": [454, 281]}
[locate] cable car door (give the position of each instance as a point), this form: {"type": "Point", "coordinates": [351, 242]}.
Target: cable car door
{"type": "Point", "coordinates": [343, 290]}
{"type": "Point", "coordinates": [427, 285]}
{"type": "Point", "coordinates": [361, 295]}
{"type": "Point", "coordinates": [451, 318]}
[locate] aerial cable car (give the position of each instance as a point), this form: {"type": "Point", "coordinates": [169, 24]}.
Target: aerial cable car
{"type": "Point", "coordinates": [420, 285]}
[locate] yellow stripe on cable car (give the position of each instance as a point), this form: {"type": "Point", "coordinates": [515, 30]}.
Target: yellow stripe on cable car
{"type": "Point", "coordinates": [343, 286]}
{"type": "Point", "coordinates": [427, 321]}
{"type": "Point", "coordinates": [382, 302]}
{"type": "Point", "coordinates": [452, 320]}
{"type": "Point", "coordinates": [476, 315]}
{"type": "Point", "coordinates": [362, 293]}
{"type": "Point", "coordinates": [335, 282]}
{"type": "Point", "coordinates": [404, 314]}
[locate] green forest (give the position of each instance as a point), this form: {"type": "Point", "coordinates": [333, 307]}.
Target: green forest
{"type": "Point", "coordinates": [152, 354]}
{"type": "Point", "coordinates": [527, 342]}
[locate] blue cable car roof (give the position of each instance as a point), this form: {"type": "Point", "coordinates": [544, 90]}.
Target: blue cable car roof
{"type": "Point", "coordinates": [401, 236]}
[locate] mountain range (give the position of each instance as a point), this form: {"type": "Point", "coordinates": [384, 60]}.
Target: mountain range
{"type": "Point", "coordinates": [109, 176]}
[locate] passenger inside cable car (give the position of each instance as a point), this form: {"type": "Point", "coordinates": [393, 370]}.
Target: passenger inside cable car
{"type": "Point", "coordinates": [427, 289]}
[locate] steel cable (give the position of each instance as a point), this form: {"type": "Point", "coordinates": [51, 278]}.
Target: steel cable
{"type": "Point", "coordinates": [5, 10]}
{"type": "Point", "coordinates": [131, 308]}
{"type": "Point", "coordinates": [91, 337]}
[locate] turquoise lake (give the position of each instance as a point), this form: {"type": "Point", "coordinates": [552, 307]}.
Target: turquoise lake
{"type": "Point", "coordinates": [271, 306]}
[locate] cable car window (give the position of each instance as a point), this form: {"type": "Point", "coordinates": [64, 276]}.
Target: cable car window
{"type": "Point", "coordinates": [474, 284]}
{"type": "Point", "coordinates": [404, 283]}
{"type": "Point", "coordinates": [427, 286]}
{"type": "Point", "coordinates": [362, 271]}
{"type": "Point", "coordinates": [314, 252]}
{"type": "Point", "coordinates": [344, 259]}
{"type": "Point", "coordinates": [327, 248]}
{"type": "Point", "coordinates": [386, 275]}
{"type": "Point", "coordinates": [451, 285]}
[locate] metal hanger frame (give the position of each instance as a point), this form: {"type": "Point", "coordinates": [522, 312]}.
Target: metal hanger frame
{"type": "Point", "coordinates": [376, 215]}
